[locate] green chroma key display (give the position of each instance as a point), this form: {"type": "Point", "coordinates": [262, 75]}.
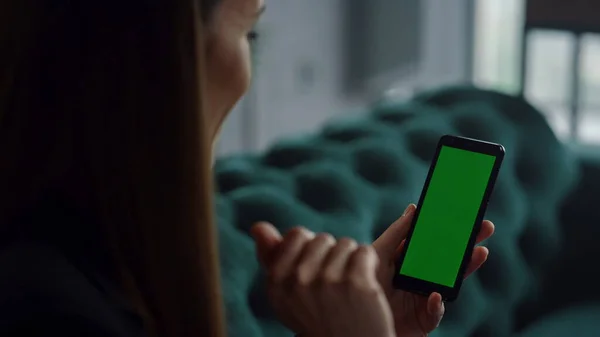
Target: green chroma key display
{"type": "Point", "coordinates": [447, 215]}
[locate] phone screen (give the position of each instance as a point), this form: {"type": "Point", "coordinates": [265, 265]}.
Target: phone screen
{"type": "Point", "coordinates": [447, 215]}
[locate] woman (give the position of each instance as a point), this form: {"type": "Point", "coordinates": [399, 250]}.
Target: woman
{"type": "Point", "coordinates": [108, 112]}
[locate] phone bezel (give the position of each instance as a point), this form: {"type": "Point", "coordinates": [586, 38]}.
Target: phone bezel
{"type": "Point", "coordinates": [426, 288]}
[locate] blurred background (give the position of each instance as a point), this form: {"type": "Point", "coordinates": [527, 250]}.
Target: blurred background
{"type": "Point", "coordinates": [318, 59]}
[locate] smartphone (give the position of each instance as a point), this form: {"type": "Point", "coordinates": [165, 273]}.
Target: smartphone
{"type": "Point", "coordinates": [448, 217]}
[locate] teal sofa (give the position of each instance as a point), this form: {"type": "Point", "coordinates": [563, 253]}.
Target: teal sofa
{"type": "Point", "coordinates": [355, 176]}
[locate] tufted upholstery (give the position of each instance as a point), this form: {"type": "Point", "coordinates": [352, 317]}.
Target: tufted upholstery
{"type": "Point", "coordinates": [580, 321]}
{"type": "Point", "coordinates": [355, 176]}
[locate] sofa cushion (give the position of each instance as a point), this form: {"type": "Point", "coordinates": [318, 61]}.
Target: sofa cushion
{"type": "Point", "coordinates": [580, 321]}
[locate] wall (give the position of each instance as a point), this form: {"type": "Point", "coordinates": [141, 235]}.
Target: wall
{"type": "Point", "coordinates": [300, 69]}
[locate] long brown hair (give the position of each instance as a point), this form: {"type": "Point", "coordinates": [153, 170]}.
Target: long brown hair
{"type": "Point", "coordinates": [106, 96]}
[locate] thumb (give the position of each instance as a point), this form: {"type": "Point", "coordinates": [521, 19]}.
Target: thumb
{"type": "Point", "coordinates": [267, 238]}
{"type": "Point", "coordinates": [387, 244]}
{"type": "Point", "coordinates": [435, 312]}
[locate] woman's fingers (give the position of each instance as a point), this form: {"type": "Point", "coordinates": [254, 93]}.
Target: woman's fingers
{"type": "Point", "coordinates": [331, 280]}
{"type": "Point", "coordinates": [280, 270]}
{"type": "Point", "coordinates": [306, 273]}
{"type": "Point", "coordinates": [478, 258]}
{"type": "Point", "coordinates": [332, 272]}
{"type": "Point", "coordinates": [361, 269]}
{"type": "Point", "coordinates": [486, 231]}
{"type": "Point", "coordinates": [480, 254]}
{"type": "Point", "coordinates": [309, 267]}
{"type": "Point", "coordinates": [267, 239]}
{"type": "Point", "coordinates": [312, 258]}
{"type": "Point", "coordinates": [326, 288]}
{"type": "Point", "coordinates": [365, 295]}
{"type": "Point", "coordinates": [288, 253]}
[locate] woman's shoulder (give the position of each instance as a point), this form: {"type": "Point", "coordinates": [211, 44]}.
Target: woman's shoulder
{"type": "Point", "coordinates": [35, 272]}
{"type": "Point", "coordinates": [42, 290]}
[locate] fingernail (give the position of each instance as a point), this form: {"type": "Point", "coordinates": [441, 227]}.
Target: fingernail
{"type": "Point", "coordinates": [310, 234]}
{"type": "Point", "coordinates": [408, 210]}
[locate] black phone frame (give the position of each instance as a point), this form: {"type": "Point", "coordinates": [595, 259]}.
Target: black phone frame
{"type": "Point", "coordinates": [425, 288]}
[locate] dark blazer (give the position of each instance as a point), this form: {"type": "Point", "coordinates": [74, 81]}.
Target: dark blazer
{"type": "Point", "coordinates": [53, 281]}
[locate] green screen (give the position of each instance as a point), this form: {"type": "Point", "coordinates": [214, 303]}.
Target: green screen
{"type": "Point", "coordinates": [447, 216]}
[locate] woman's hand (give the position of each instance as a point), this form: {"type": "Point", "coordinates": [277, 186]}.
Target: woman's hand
{"type": "Point", "coordinates": [416, 315]}
{"type": "Point", "coordinates": [321, 287]}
